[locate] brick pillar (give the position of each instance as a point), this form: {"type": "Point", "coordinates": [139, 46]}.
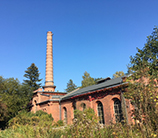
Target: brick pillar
{"type": "Point", "coordinates": [49, 83]}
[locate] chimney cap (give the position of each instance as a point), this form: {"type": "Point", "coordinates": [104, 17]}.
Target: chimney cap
{"type": "Point", "coordinates": [49, 32]}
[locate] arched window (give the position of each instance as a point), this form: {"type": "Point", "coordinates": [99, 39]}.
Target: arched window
{"type": "Point", "coordinates": [118, 110]}
{"type": "Point", "coordinates": [74, 108]}
{"type": "Point", "coordinates": [74, 105]}
{"type": "Point", "coordinates": [83, 105]}
{"type": "Point", "coordinates": [100, 112]}
{"type": "Point", "coordinates": [65, 115]}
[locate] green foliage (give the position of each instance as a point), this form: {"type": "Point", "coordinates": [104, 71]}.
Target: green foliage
{"type": "Point", "coordinates": [13, 98]}
{"type": "Point", "coordinates": [142, 88]}
{"type": "Point", "coordinates": [87, 80]}
{"type": "Point", "coordinates": [113, 131]}
{"type": "Point", "coordinates": [3, 114]}
{"type": "Point", "coordinates": [70, 86]}
{"type": "Point", "coordinates": [148, 56]}
{"type": "Point", "coordinates": [32, 75]}
{"type": "Point", "coordinates": [85, 124]}
{"type": "Point", "coordinates": [29, 131]}
{"type": "Point", "coordinates": [59, 123]}
{"type": "Point", "coordinates": [97, 79]}
{"type": "Point", "coordinates": [39, 118]}
{"type": "Point", "coordinates": [3, 111]}
{"type": "Point", "coordinates": [118, 74]}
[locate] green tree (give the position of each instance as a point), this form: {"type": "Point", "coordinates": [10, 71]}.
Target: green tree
{"type": "Point", "coordinates": [3, 111]}
{"type": "Point", "coordinates": [97, 79]}
{"type": "Point", "coordinates": [70, 86]}
{"type": "Point", "coordinates": [3, 114]}
{"type": "Point", "coordinates": [32, 75]}
{"type": "Point", "coordinates": [87, 80]}
{"type": "Point", "coordinates": [14, 97]}
{"type": "Point", "coordinates": [11, 96]}
{"type": "Point", "coordinates": [118, 74]}
{"type": "Point", "coordinates": [142, 88]}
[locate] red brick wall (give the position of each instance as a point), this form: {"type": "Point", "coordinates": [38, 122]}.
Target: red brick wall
{"type": "Point", "coordinates": [54, 109]}
{"type": "Point", "coordinates": [108, 107]}
{"type": "Point", "coordinates": [69, 108]}
{"type": "Point", "coordinates": [91, 101]}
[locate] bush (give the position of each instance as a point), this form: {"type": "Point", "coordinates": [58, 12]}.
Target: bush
{"type": "Point", "coordinates": [58, 123]}
{"type": "Point", "coordinates": [40, 118]}
{"type": "Point", "coordinates": [29, 131]}
{"type": "Point", "coordinates": [85, 124]}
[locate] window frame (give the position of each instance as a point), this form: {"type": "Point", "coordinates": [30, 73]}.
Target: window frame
{"type": "Point", "coordinates": [100, 112]}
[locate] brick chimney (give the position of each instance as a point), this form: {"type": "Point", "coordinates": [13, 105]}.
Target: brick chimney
{"type": "Point", "coordinates": [49, 83]}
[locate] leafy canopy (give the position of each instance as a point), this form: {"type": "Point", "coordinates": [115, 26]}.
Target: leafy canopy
{"type": "Point", "coordinates": [13, 98]}
{"type": "Point", "coordinates": [87, 80]}
{"type": "Point", "coordinates": [118, 74]}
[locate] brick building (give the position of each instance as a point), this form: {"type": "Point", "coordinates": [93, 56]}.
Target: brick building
{"type": "Point", "coordinates": [105, 97]}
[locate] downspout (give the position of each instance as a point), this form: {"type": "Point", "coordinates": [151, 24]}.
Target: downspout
{"type": "Point", "coordinates": [60, 108]}
{"type": "Point", "coordinates": [124, 106]}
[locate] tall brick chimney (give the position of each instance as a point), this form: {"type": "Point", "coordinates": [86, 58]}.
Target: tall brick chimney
{"type": "Point", "coordinates": [49, 83]}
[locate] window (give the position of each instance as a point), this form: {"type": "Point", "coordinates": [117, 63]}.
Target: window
{"type": "Point", "coordinates": [100, 113]}
{"type": "Point", "coordinates": [74, 105]}
{"type": "Point", "coordinates": [74, 108]}
{"type": "Point", "coordinates": [65, 115]}
{"type": "Point", "coordinates": [118, 110]}
{"type": "Point", "coordinates": [83, 105]}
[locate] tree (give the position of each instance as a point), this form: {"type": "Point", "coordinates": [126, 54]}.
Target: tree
{"type": "Point", "coordinates": [118, 74]}
{"type": "Point", "coordinates": [87, 80]}
{"type": "Point", "coordinates": [97, 79]}
{"type": "Point", "coordinates": [142, 88]}
{"type": "Point", "coordinates": [3, 114]}
{"type": "Point", "coordinates": [13, 98]}
{"type": "Point", "coordinates": [70, 86]}
{"type": "Point", "coordinates": [32, 75]}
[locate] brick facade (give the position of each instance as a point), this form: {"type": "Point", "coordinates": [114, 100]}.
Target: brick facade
{"type": "Point", "coordinates": [57, 107]}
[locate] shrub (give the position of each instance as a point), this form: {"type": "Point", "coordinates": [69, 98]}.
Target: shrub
{"type": "Point", "coordinates": [85, 124]}
{"type": "Point", "coordinates": [29, 131]}
{"type": "Point", "coordinates": [28, 118]}
{"type": "Point", "coordinates": [58, 123]}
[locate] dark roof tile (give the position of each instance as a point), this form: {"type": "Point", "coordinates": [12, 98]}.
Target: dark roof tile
{"type": "Point", "coordinates": [106, 84]}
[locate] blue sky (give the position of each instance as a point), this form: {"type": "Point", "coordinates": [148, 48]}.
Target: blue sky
{"type": "Point", "coordinates": [97, 36]}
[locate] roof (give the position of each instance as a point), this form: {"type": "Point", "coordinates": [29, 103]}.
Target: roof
{"type": "Point", "coordinates": [35, 92]}
{"type": "Point", "coordinates": [44, 102]}
{"type": "Point", "coordinates": [107, 84]}
{"type": "Point", "coordinates": [103, 80]}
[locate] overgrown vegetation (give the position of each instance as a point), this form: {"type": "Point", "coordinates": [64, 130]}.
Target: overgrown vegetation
{"type": "Point", "coordinates": [85, 125]}
{"type": "Point", "coordinates": [143, 84]}
{"type": "Point", "coordinates": [40, 118]}
{"type": "Point", "coordinates": [15, 96]}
